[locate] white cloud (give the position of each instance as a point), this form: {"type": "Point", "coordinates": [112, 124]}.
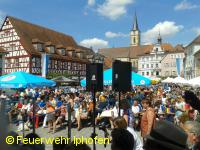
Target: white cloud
{"type": "Point", "coordinates": [85, 13]}
{"type": "Point", "coordinates": [185, 5]}
{"type": "Point", "coordinates": [196, 30]}
{"type": "Point", "coordinates": [110, 34]}
{"type": "Point", "coordinates": [113, 9]}
{"type": "Point", "coordinates": [166, 28]}
{"type": "Point", "coordinates": [91, 2]}
{"type": "Point", "coordinates": [95, 43]}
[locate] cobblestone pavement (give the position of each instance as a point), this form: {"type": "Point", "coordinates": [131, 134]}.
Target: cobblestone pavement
{"type": "Point", "coordinates": [85, 132]}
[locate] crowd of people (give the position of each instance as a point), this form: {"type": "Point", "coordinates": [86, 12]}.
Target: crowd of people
{"type": "Point", "coordinates": [166, 116]}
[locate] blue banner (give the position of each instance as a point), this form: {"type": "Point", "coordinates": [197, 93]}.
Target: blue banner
{"type": "Point", "coordinates": [178, 66]}
{"type": "Point", "coordinates": [47, 63]}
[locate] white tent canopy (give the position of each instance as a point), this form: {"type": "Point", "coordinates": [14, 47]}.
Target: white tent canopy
{"type": "Point", "coordinates": [194, 81]}
{"type": "Point", "coordinates": [168, 80]}
{"type": "Point", "coordinates": [156, 79]}
{"type": "Point", "coordinates": [180, 80]}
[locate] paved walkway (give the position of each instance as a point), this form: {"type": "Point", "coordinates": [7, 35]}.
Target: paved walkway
{"type": "Point", "coordinates": [85, 132]}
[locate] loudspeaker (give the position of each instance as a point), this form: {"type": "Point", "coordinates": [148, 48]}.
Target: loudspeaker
{"type": "Point", "coordinates": [121, 76]}
{"type": "Point", "coordinates": [94, 77]}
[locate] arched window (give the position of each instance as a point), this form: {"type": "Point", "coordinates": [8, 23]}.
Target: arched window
{"type": "Point", "coordinates": [134, 40]}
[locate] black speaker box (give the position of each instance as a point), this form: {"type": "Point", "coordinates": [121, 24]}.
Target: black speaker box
{"type": "Point", "coordinates": [94, 77]}
{"type": "Point", "coordinates": [121, 76]}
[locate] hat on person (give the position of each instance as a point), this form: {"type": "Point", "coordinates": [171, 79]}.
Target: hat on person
{"type": "Point", "coordinates": [38, 99]}
{"type": "Point", "coordinates": [168, 135]}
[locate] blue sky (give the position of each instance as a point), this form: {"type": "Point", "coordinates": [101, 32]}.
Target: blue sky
{"type": "Point", "coordinates": [107, 23]}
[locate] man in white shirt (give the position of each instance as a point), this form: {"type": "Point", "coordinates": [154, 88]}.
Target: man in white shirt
{"type": "Point", "coordinates": [138, 142]}
{"type": "Point", "coordinates": [135, 107]}
{"type": "Point", "coordinates": [3, 95]}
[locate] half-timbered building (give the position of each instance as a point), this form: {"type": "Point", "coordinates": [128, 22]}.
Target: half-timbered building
{"type": "Point", "coordinates": [26, 42]}
{"type": "Point", "coordinates": [2, 59]}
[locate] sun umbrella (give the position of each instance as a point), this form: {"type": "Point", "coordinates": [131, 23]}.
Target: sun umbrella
{"type": "Point", "coordinates": [136, 79]}
{"type": "Point", "coordinates": [24, 80]}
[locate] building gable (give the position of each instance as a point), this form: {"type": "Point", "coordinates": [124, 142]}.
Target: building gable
{"type": "Point", "coordinates": [10, 40]}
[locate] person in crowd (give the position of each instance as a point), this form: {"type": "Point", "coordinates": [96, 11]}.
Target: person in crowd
{"type": "Point", "coordinates": [180, 108]}
{"type": "Point", "coordinates": [29, 93]}
{"type": "Point", "coordinates": [76, 108]}
{"type": "Point", "coordinates": [148, 118]}
{"type": "Point", "coordinates": [111, 98]}
{"type": "Point", "coordinates": [102, 101]}
{"type": "Point", "coordinates": [127, 111]}
{"type": "Point", "coordinates": [139, 95]}
{"type": "Point", "coordinates": [3, 95]}
{"type": "Point", "coordinates": [120, 122]}
{"type": "Point", "coordinates": [70, 101]}
{"type": "Point", "coordinates": [192, 128]}
{"type": "Point", "coordinates": [13, 112]}
{"type": "Point", "coordinates": [29, 111]}
{"type": "Point", "coordinates": [59, 144]}
{"type": "Point", "coordinates": [30, 146]}
{"type": "Point", "coordinates": [164, 98]}
{"type": "Point", "coordinates": [42, 107]}
{"type": "Point", "coordinates": [36, 93]}
{"type": "Point", "coordinates": [20, 119]}
{"type": "Point", "coordinates": [50, 116]}
{"type": "Point", "coordinates": [90, 107]}
{"type": "Point", "coordinates": [61, 116]}
{"type": "Point", "coordinates": [122, 139]}
{"type": "Point", "coordinates": [53, 102]}
{"type": "Point", "coordinates": [160, 139]}
{"type": "Point", "coordinates": [191, 114]}
{"type": "Point", "coordinates": [192, 99]}
{"type": "Point", "coordinates": [83, 114]}
{"type": "Point", "coordinates": [136, 108]}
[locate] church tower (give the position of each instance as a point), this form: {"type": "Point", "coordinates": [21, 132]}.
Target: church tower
{"type": "Point", "coordinates": [135, 33]}
{"type": "Point", "coordinates": [159, 39]}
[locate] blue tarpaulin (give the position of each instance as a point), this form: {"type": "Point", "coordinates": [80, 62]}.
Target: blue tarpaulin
{"type": "Point", "coordinates": [24, 80]}
{"type": "Point", "coordinates": [136, 79]}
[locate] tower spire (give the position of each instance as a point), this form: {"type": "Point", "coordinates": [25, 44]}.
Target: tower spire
{"type": "Point", "coordinates": [159, 38]}
{"type": "Point", "coordinates": [135, 33]}
{"type": "Point", "coordinates": [135, 24]}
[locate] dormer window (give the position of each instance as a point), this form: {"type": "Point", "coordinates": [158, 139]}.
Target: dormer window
{"type": "Point", "coordinates": [62, 51]}
{"type": "Point", "coordinates": [80, 55]}
{"type": "Point", "coordinates": [72, 53]}
{"type": "Point", "coordinates": [84, 56]}
{"type": "Point", "coordinates": [38, 46]}
{"type": "Point", "coordinates": [51, 49]}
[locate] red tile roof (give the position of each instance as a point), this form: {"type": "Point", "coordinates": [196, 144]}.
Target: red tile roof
{"type": "Point", "coordinates": [133, 51]}
{"type": "Point", "coordinates": [30, 33]}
